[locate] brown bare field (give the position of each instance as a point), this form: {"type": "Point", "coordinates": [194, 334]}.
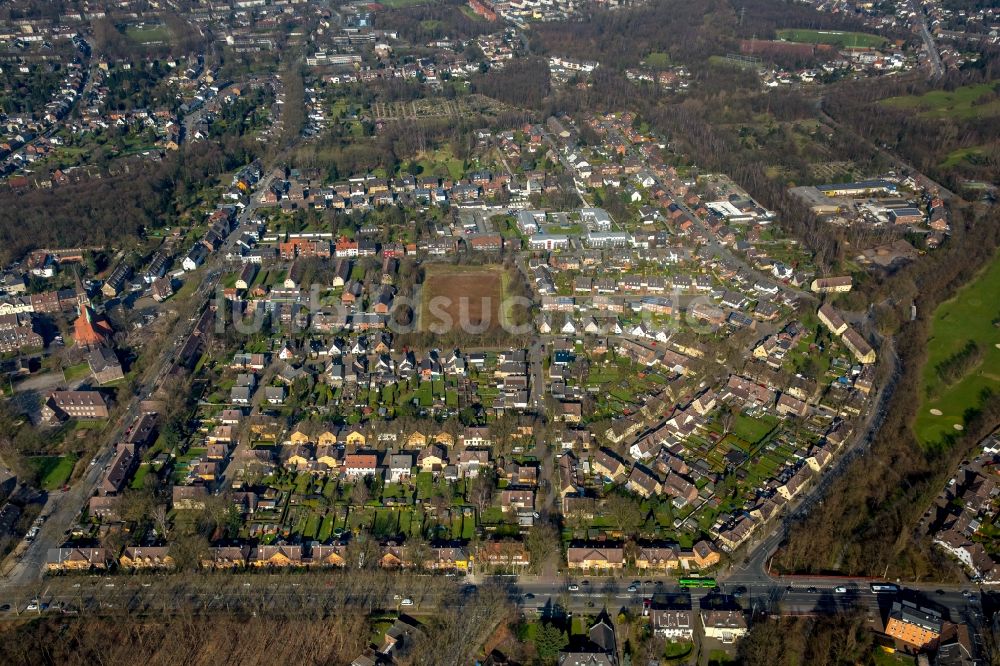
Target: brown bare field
{"type": "Point", "coordinates": [452, 294]}
{"type": "Point", "coordinates": [764, 48]}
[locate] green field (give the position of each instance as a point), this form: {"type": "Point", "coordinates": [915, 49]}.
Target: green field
{"type": "Point", "coordinates": [397, 4]}
{"type": "Point", "coordinates": [753, 429]}
{"type": "Point", "coordinates": [972, 155]}
{"type": "Point", "coordinates": [658, 60]}
{"type": "Point", "coordinates": [442, 163]}
{"type": "Point", "coordinates": [959, 103]}
{"type": "Point", "coordinates": [52, 471]}
{"type": "Point", "coordinates": [832, 37]}
{"type": "Point", "coordinates": [970, 315]}
{"type": "Point", "coordinates": [148, 34]}
{"type": "Point", "coordinates": [77, 372]}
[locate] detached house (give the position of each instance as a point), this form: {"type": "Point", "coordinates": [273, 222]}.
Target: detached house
{"type": "Point", "coordinates": [514, 499]}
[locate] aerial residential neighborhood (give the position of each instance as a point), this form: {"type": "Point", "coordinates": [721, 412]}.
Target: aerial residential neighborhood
{"type": "Point", "coordinates": [447, 332]}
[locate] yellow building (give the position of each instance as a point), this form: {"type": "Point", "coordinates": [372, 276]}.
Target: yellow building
{"type": "Point", "coordinates": [138, 557]}
{"type": "Point", "coordinates": [588, 558]}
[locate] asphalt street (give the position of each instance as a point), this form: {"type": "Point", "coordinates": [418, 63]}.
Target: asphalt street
{"type": "Point", "coordinates": [315, 592]}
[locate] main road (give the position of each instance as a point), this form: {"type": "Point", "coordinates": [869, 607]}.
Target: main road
{"type": "Point", "coordinates": [933, 55]}
{"type": "Point", "coordinates": [316, 592]}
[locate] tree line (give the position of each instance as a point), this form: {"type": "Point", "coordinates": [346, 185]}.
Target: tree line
{"type": "Point", "coordinates": [108, 210]}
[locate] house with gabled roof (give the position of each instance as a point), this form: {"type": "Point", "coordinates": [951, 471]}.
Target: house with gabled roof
{"type": "Point", "coordinates": [658, 558]}
{"type": "Point", "coordinates": [591, 558]}
{"type": "Point", "coordinates": [76, 559]}
{"type": "Point", "coordinates": [643, 482]}
{"type": "Point", "coordinates": [326, 556]}
{"type": "Point", "coordinates": [608, 464]}
{"type": "Point", "coordinates": [226, 557]}
{"type": "Point", "coordinates": [281, 555]}
{"type": "Point", "coordinates": [146, 557]}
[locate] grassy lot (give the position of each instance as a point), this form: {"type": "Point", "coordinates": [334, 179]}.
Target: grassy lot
{"type": "Point", "coordinates": [658, 60]}
{"type": "Point", "coordinates": [972, 155]}
{"type": "Point", "coordinates": [397, 4]}
{"type": "Point", "coordinates": [148, 34]}
{"type": "Point", "coordinates": [970, 315]}
{"type": "Point", "coordinates": [677, 649]}
{"type": "Point", "coordinates": [441, 162]}
{"type": "Point", "coordinates": [753, 429]}
{"type": "Point", "coordinates": [53, 471]}
{"type": "Point", "coordinates": [720, 657]}
{"type": "Point", "coordinates": [77, 372]}
{"type": "Point", "coordinates": [883, 658]}
{"type": "Point", "coordinates": [959, 103]}
{"type": "Point", "coordinates": [832, 37]}
{"type": "Point", "coordinates": [190, 285]}
{"type": "Point", "coordinates": [139, 480]}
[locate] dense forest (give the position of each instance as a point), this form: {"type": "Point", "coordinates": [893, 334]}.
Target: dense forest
{"type": "Point", "coordinates": [111, 209]}
{"type": "Point", "coordinates": [335, 634]}
{"type": "Point", "coordinates": [426, 23]}
{"type": "Point", "coordinates": [524, 82]}
{"type": "Point", "coordinates": [820, 641]}
{"type": "Point", "coordinates": [688, 32]}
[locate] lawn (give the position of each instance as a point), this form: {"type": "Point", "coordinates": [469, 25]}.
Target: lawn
{"type": "Point", "coordinates": [970, 315]}
{"type": "Point", "coordinates": [425, 485]}
{"type": "Point", "coordinates": [972, 155]}
{"type": "Point", "coordinates": [958, 103]}
{"type": "Point", "coordinates": [148, 34]}
{"type": "Point", "coordinates": [397, 4]}
{"type": "Point", "coordinates": [52, 471]}
{"type": "Point", "coordinates": [441, 162]}
{"type": "Point", "coordinates": [386, 522]}
{"type": "Point", "coordinates": [139, 480]}
{"type": "Point", "coordinates": [77, 372]}
{"type": "Point", "coordinates": [720, 657]}
{"type": "Point", "coordinates": [883, 658]}
{"type": "Point", "coordinates": [677, 649]}
{"type": "Point", "coordinates": [832, 37]}
{"type": "Point", "coordinates": [326, 529]}
{"type": "Point", "coordinates": [658, 60]}
{"type": "Point", "coordinates": [312, 526]}
{"type": "Point", "coordinates": [753, 429]}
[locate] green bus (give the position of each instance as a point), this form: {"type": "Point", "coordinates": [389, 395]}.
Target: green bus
{"type": "Point", "coordinates": [696, 582]}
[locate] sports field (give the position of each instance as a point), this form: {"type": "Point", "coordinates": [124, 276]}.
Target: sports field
{"type": "Point", "coordinates": [965, 102]}
{"type": "Point", "coordinates": [453, 294]}
{"type": "Point", "coordinates": [860, 40]}
{"type": "Point", "coordinates": [973, 314]}
{"type": "Point", "coordinates": [148, 33]}
{"type": "Point", "coordinates": [399, 4]}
